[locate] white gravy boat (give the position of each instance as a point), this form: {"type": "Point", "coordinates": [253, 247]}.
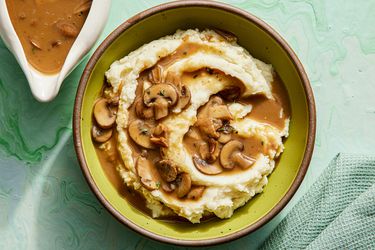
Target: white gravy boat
{"type": "Point", "coordinates": [45, 87]}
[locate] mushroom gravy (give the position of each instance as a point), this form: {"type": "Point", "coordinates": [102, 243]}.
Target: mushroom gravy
{"type": "Point", "coordinates": [201, 146]}
{"type": "Point", "coordinates": [265, 110]}
{"type": "Point", "coordinates": [110, 160]}
{"type": "Point", "coordinates": [47, 29]}
{"type": "Point", "coordinates": [214, 145]}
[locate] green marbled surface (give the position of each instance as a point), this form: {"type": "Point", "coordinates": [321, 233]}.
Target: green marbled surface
{"type": "Point", "coordinates": [45, 202]}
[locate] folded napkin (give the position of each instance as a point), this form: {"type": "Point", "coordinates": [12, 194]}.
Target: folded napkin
{"type": "Point", "coordinates": [338, 212]}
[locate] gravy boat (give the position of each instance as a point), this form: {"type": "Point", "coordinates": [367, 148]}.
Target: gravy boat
{"type": "Point", "coordinates": [45, 87]}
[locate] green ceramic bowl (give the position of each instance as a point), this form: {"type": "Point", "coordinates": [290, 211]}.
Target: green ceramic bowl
{"type": "Point", "coordinates": [263, 43]}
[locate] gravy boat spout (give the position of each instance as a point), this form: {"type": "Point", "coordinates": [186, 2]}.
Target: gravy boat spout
{"type": "Point", "coordinates": [45, 87]}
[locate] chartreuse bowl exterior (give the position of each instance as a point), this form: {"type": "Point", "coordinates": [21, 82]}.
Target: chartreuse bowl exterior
{"type": "Point", "coordinates": [263, 43]}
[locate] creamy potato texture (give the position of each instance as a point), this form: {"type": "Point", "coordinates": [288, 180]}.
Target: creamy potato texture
{"type": "Point", "coordinates": [190, 127]}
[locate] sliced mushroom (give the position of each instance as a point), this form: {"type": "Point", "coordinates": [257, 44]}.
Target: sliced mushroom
{"type": "Point", "coordinates": [101, 135]}
{"type": "Point", "coordinates": [204, 150]}
{"type": "Point", "coordinates": [231, 156]}
{"type": "Point", "coordinates": [160, 130]}
{"type": "Point", "coordinates": [167, 170]}
{"type": "Point", "coordinates": [211, 117]}
{"type": "Point", "coordinates": [140, 132]}
{"type": "Point", "coordinates": [226, 128]}
{"type": "Point", "coordinates": [243, 161]}
{"type": "Point", "coordinates": [225, 133]}
{"type": "Point", "coordinates": [224, 138]}
{"type": "Point", "coordinates": [183, 184]}
{"type": "Point", "coordinates": [160, 108]}
{"type": "Point", "coordinates": [142, 110]}
{"type": "Point", "coordinates": [214, 150]}
{"type": "Point", "coordinates": [172, 77]}
{"type": "Point", "coordinates": [160, 97]}
{"type": "Point", "coordinates": [230, 37]}
{"type": "Point", "coordinates": [216, 124]}
{"type": "Point", "coordinates": [161, 141]}
{"type": "Point", "coordinates": [168, 187]}
{"type": "Point", "coordinates": [67, 29]}
{"type": "Point", "coordinates": [215, 100]}
{"type": "Point", "coordinates": [231, 94]}
{"type": "Point", "coordinates": [209, 151]}
{"type": "Point", "coordinates": [196, 192]}
{"type": "Point", "coordinates": [159, 135]}
{"type": "Point", "coordinates": [206, 168]}
{"type": "Point", "coordinates": [146, 173]}
{"type": "Point", "coordinates": [104, 113]}
{"type": "Point", "coordinates": [156, 74]}
{"type": "Point", "coordinates": [184, 99]}
{"type": "Point", "coordinates": [35, 44]}
{"type": "Point", "coordinates": [220, 112]}
{"type": "Point", "coordinates": [207, 127]}
{"type": "Point", "coordinates": [193, 133]}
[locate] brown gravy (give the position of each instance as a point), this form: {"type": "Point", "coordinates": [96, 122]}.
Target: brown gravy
{"type": "Point", "coordinates": [263, 110]}
{"type": "Point", "coordinates": [109, 161]}
{"type": "Point", "coordinates": [267, 110]}
{"type": "Point", "coordinates": [47, 29]}
{"type": "Point", "coordinates": [273, 112]}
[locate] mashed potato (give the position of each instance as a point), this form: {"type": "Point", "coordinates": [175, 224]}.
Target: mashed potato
{"type": "Point", "coordinates": [211, 65]}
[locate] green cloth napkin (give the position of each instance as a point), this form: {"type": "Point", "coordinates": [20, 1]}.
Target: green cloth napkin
{"type": "Point", "coordinates": [338, 212]}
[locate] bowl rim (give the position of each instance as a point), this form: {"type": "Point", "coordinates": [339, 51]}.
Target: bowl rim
{"type": "Point", "coordinates": [301, 73]}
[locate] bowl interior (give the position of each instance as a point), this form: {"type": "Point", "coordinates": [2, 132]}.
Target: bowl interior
{"type": "Point", "coordinates": [262, 46]}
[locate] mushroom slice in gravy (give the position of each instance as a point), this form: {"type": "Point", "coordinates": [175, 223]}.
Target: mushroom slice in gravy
{"type": "Point", "coordinates": [183, 184]}
{"type": "Point", "coordinates": [167, 170]}
{"type": "Point", "coordinates": [210, 118]}
{"type": "Point", "coordinates": [206, 168]}
{"type": "Point", "coordinates": [160, 97]}
{"type": "Point", "coordinates": [231, 155]}
{"type": "Point", "coordinates": [104, 113]}
{"type": "Point", "coordinates": [142, 110]}
{"type": "Point", "coordinates": [140, 132]}
{"type": "Point", "coordinates": [196, 192]}
{"type": "Point", "coordinates": [101, 135]}
{"type": "Point", "coordinates": [159, 136]}
{"type": "Point", "coordinates": [183, 100]}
